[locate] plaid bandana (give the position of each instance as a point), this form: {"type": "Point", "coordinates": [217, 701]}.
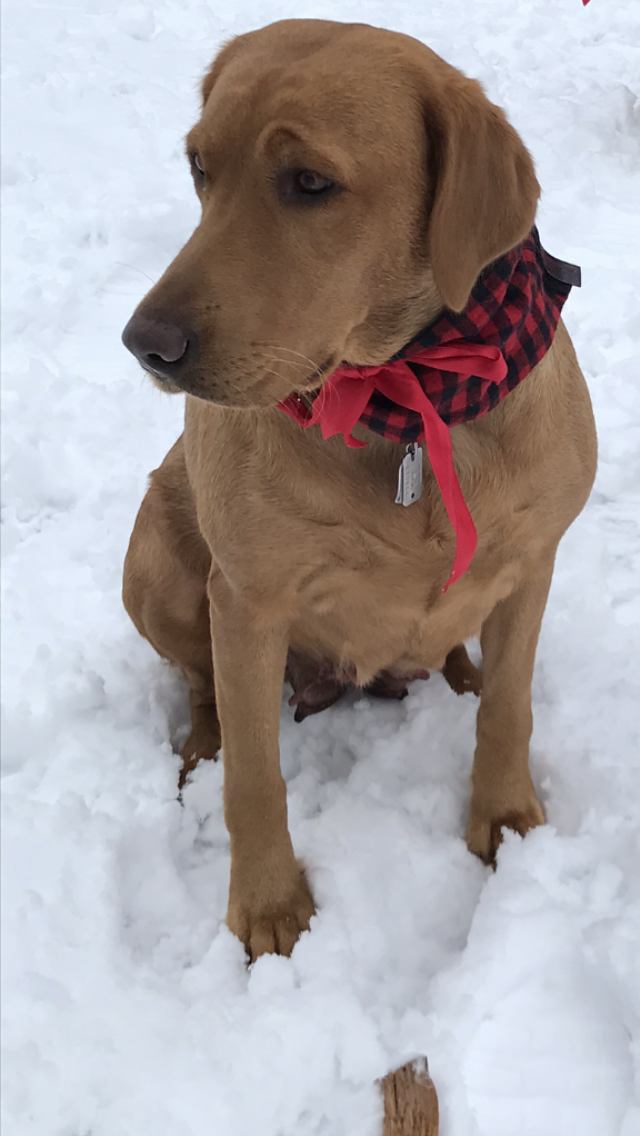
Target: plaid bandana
{"type": "Point", "coordinates": [458, 369]}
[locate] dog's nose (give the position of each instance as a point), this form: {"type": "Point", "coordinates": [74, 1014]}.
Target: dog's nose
{"type": "Point", "coordinates": [156, 343]}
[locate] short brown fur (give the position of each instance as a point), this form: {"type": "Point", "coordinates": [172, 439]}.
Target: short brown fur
{"type": "Point", "coordinates": [257, 538]}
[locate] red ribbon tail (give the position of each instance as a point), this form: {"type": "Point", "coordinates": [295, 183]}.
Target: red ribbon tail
{"type": "Point", "coordinates": [440, 450]}
{"type": "Point", "coordinates": [403, 389]}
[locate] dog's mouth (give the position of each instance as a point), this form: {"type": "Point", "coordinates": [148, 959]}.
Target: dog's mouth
{"type": "Point", "coordinates": [199, 385]}
{"type": "Point", "coordinates": [162, 382]}
{"type": "Point", "coordinates": [319, 372]}
{"type": "Point", "coordinates": [308, 391]}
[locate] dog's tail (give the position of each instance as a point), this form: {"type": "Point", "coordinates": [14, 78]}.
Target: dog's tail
{"type": "Point", "coordinates": [410, 1101]}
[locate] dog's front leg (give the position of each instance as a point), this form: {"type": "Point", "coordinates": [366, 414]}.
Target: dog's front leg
{"type": "Point", "coordinates": [269, 899]}
{"type": "Point", "coordinates": [503, 795]}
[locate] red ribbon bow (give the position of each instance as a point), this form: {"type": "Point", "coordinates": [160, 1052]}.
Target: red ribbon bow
{"type": "Point", "coordinates": [346, 393]}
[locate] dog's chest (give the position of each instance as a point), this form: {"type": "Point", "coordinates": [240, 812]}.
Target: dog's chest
{"type": "Point", "coordinates": [378, 604]}
{"type": "Point", "coordinates": [358, 577]}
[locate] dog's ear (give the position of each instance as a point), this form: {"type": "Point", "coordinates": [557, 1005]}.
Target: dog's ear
{"type": "Point", "coordinates": [484, 187]}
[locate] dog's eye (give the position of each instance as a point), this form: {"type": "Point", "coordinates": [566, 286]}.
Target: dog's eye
{"type": "Point", "coordinates": [306, 187]}
{"type": "Point", "coordinates": [197, 167]}
{"type": "Point", "coordinates": [308, 181]}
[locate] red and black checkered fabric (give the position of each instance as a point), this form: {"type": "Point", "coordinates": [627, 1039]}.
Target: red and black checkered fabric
{"type": "Point", "coordinates": [515, 306]}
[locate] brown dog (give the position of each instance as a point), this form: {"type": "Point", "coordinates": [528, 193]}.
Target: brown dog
{"type": "Point", "coordinates": [353, 186]}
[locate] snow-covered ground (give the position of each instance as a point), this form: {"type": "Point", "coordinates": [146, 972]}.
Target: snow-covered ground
{"type": "Point", "coordinates": [128, 1008]}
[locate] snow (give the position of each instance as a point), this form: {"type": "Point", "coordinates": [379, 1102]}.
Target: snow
{"type": "Point", "coordinates": [127, 1004]}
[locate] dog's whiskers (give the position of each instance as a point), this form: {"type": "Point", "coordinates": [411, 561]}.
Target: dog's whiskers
{"type": "Point", "coordinates": [286, 362]}
{"type": "Point", "coordinates": [133, 268]}
{"type": "Point", "coordinates": [277, 347]}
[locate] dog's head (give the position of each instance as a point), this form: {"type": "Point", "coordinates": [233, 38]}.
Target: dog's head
{"type": "Point", "coordinates": [352, 184]}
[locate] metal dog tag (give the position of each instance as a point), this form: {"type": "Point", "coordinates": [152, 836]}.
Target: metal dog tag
{"type": "Point", "coordinates": [410, 476]}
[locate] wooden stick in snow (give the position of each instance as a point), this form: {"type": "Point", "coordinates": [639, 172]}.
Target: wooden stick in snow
{"type": "Point", "coordinates": [410, 1101]}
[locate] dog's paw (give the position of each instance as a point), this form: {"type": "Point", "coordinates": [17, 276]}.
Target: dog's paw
{"type": "Point", "coordinates": [461, 674]}
{"type": "Point", "coordinates": [272, 928]}
{"type": "Point", "coordinates": [484, 831]}
{"type": "Point", "coordinates": [202, 744]}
